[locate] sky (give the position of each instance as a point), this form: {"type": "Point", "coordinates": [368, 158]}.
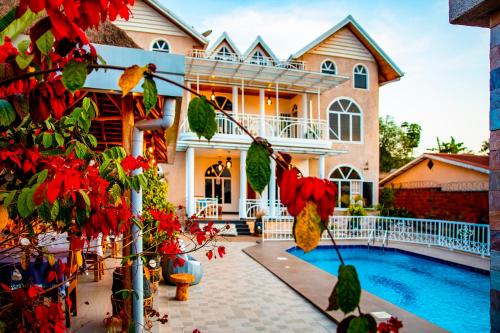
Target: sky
{"type": "Point", "coordinates": [445, 88]}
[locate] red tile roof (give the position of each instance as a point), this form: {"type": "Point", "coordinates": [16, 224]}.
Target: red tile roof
{"type": "Point", "coordinates": [471, 159]}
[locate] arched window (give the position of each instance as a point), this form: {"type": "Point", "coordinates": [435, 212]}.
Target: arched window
{"type": "Point", "coordinates": [328, 67]}
{"type": "Point", "coordinates": [224, 54]}
{"type": "Point", "coordinates": [360, 77]}
{"type": "Point", "coordinates": [345, 120]}
{"type": "Point", "coordinates": [218, 183]}
{"type": "Point", "coordinates": [349, 184]}
{"type": "Point", "coordinates": [258, 58]}
{"type": "Point", "coordinates": [160, 45]}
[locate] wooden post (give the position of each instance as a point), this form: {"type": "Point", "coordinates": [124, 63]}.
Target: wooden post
{"type": "Point", "coordinates": [127, 130]}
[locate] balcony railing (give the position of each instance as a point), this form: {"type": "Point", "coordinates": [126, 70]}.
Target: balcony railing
{"type": "Point", "coordinates": [274, 127]}
{"type": "Point", "coordinates": [260, 61]}
{"type": "Point", "coordinates": [207, 208]}
{"type": "Point", "coordinates": [467, 237]}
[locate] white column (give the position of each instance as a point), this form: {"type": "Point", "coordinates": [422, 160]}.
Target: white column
{"type": "Point", "coordinates": [321, 166]}
{"type": "Point", "coordinates": [235, 100]}
{"type": "Point", "coordinates": [272, 189]}
{"type": "Point", "coordinates": [243, 97]}
{"type": "Point", "coordinates": [262, 113]}
{"type": "Point", "coordinates": [277, 100]}
{"type": "Point", "coordinates": [243, 184]}
{"type": "Point", "coordinates": [190, 207]}
{"type": "Point", "coordinates": [305, 110]}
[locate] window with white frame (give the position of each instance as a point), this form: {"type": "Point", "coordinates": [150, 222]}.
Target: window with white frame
{"type": "Point", "coordinates": [258, 58]}
{"type": "Point", "coordinates": [218, 183]}
{"type": "Point", "coordinates": [160, 45]}
{"type": "Point", "coordinates": [349, 184]}
{"type": "Point", "coordinates": [328, 67]}
{"type": "Point", "coordinates": [360, 77]}
{"type": "Point", "coordinates": [224, 54]}
{"type": "Point", "coordinates": [345, 121]}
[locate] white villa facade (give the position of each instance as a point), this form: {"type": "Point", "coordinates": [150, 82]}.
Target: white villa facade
{"type": "Point", "coordinates": [321, 105]}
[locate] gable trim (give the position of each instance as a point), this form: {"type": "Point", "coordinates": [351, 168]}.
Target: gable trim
{"type": "Point", "coordinates": [366, 40]}
{"type": "Point", "coordinates": [229, 41]}
{"type": "Point", "coordinates": [260, 41]}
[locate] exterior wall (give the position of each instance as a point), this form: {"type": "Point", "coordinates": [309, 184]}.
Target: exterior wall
{"type": "Point", "coordinates": [358, 154]}
{"type": "Point", "coordinates": [178, 44]}
{"type": "Point", "coordinates": [439, 174]}
{"type": "Point", "coordinates": [433, 203]}
{"type": "Point", "coordinates": [176, 179]}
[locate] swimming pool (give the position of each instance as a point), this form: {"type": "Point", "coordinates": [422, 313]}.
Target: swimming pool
{"type": "Point", "coordinates": [455, 298]}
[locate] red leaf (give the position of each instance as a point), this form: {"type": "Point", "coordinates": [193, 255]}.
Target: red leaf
{"type": "Point", "coordinates": [5, 287]}
{"type": "Point", "coordinates": [40, 193]}
{"type": "Point", "coordinates": [307, 188]}
{"type": "Point", "coordinates": [34, 291]}
{"type": "Point", "coordinates": [319, 189]}
{"type": "Point", "coordinates": [210, 254]}
{"type": "Point", "coordinates": [54, 188]}
{"type": "Point", "coordinates": [221, 250]}
{"type": "Point", "coordinates": [288, 186]}
{"type": "Point", "coordinates": [200, 237]}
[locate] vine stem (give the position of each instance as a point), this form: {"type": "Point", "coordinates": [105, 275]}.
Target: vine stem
{"type": "Point", "coordinates": [276, 156]}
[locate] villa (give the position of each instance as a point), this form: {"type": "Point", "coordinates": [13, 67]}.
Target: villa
{"type": "Point", "coordinates": [321, 105]}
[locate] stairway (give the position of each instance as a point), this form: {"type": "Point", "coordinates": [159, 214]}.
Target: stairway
{"type": "Point", "coordinates": [241, 225]}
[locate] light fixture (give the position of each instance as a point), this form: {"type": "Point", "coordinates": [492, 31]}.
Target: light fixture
{"type": "Point", "coordinates": [219, 166]}
{"type": "Point", "coordinates": [229, 163]}
{"type": "Point", "coordinates": [212, 97]}
{"type": "Point", "coordinates": [150, 149]}
{"type": "Point", "coordinates": [269, 102]}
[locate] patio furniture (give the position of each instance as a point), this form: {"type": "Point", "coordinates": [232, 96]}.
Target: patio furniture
{"type": "Point", "coordinates": [94, 257]}
{"type": "Point", "coordinates": [182, 280]}
{"type": "Point", "coordinates": [191, 266]}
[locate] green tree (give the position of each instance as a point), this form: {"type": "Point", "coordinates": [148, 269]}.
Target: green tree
{"type": "Point", "coordinates": [485, 147]}
{"type": "Point", "coordinates": [397, 142]}
{"type": "Point", "coordinates": [452, 147]}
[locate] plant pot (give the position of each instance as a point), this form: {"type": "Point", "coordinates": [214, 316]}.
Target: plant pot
{"type": "Point", "coordinates": [191, 266]}
{"type": "Point", "coordinates": [117, 299]}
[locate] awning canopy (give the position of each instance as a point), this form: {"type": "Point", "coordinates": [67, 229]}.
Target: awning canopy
{"type": "Point", "coordinates": [286, 75]}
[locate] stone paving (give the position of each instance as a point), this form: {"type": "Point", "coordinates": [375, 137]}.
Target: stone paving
{"type": "Point", "coordinates": [238, 295]}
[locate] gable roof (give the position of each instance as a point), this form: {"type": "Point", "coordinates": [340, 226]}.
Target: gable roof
{"type": "Point", "coordinates": [388, 70]}
{"type": "Point", "coordinates": [180, 23]}
{"type": "Point", "coordinates": [467, 161]}
{"type": "Point", "coordinates": [224, 37]}
{"type": "Point", "coordinates": [260, 41]}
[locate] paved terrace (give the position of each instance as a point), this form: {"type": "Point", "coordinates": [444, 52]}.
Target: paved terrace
{"type": "Point", "coordinates": [236, 295]}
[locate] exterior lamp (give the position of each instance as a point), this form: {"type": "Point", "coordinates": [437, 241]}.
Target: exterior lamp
{"type": "Point", "coordinates": [212, 97]}
{"type": "Point", "coordinates": [150, 149]}
{"type": "Point", "coordinates": [269, 102]}
{"type": "Point", "coordinates": [229, 163]}
{"type": "Point", "coordinates": [219, 166]}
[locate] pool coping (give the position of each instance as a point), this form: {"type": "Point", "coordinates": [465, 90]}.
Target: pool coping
{"type": "Point", "coordinates": [318, 286]}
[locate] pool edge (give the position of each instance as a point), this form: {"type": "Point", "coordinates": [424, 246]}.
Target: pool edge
{"type": "Point", "coordinates": [320, 283]}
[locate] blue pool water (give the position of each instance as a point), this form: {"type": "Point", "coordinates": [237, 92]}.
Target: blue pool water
{"type": "Point", "coordinates": [452, 297]}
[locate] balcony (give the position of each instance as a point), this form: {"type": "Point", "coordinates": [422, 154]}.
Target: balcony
{"type": "Point", "coordinates": [231, 69]}
{"type": "Point", "coordinates": [286, 131]}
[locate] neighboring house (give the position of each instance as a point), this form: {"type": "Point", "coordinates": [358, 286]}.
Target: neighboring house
{"type": "Point", "coordinates": [321, 105]}
{"type": "Point", "coordinates": [443, 186]}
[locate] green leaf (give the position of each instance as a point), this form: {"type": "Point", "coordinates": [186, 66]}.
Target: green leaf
{"type": "Point", "coordinates": [332, 300]}
{"type": "Point", "coordinates": [258, 166]}
{"type": "Point", "coordinates": [104, 165]}
{"type": "Point", "coordinates": [20, 104]}
{"type": "Point", "coordinates": [59, 139]}
{"type": "Point", "coordinates": [150, 94]}
{"type": "Point", "coordinates": [343, 326]}
{"type": "Point", "coordinates": [92, 140]}
{"type": "Point", "coordinates": [80, 150]}
{"type": "Point", "coordinates": [7, 113]}
{"type": "Point", "coordinates": [74, 75]}
{"type": "Point", "coordinates": [360, 325]}
{"type": "Point", "coordinates": [9, 197]}
{"type": "Point", "coordinates": [24, 60]}
{"type": "Point", "coordinates": [45, 42]}
{"type": "Point", "coordinates": [348, 288]}
{"type": "Point", "coordinates": [54, 210]}
{"type": "Point", "coordinates": [41, 176]}
{"type": "Point", "coordinates": [85, 197]}
{"type": "Point", "coordinates": [25, 204]}
{"type": "Point", "coordinates": [19, 25]}
{"type": "Point", "coordinates": [47, 140]}
{"type": "Point", "coordinates": [201, 117]}
{"type": "Point", "coordinates": [8, 19]}
{"type": "Point", "coordinates": [23, 45]}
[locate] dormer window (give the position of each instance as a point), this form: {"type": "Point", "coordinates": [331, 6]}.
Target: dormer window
{"type": "Point", "coordinates": [224, 54]}
{"type": "Point", "coordinates": [258, 58]}
{"type": "Point", "coordinates": [160, 45]}
{"type": "Point", "coordinates": [328, 67]}
{"type": "Point", "coordinates": [360, 77]}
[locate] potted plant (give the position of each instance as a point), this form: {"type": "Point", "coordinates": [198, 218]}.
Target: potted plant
{"type": "Point", "coordinates": [258, 222]}
{"type": "Point", "coordinates": [154, 199]}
